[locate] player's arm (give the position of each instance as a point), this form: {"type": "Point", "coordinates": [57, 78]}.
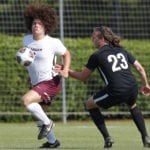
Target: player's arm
{"type": "Point", "coordinates": [83, 75]}
{"type": "Point", "coordinates": [145, 89]}
{"type": "Point", "coordinates": [66, 64]}
{"type": "Point", "coordinates": [87, 70]}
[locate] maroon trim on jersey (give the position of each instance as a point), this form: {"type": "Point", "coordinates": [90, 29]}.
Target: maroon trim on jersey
{"type": "Point", "coordinates": [48, 89]}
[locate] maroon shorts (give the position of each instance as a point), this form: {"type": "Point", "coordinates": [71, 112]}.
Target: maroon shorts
{"type": "Point", "coordinates": [48, 89]}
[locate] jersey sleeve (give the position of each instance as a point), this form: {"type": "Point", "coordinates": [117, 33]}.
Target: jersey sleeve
{"type": "Point", "coordinates": [131, 58]}
{"type": "Point", "coordinates": [24, 43]}
{"type": "Point", "coordinates": [60, 49]}
{"type": "Point", "coordinates": [27, 39]}
{"type": "Point", "coordinates": [92, 62]}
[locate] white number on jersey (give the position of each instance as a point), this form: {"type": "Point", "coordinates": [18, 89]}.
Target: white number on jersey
{"type": "Point", "coordinates": [118, 62]}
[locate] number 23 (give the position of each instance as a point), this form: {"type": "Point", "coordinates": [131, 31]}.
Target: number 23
{"type": "Point", "coordinates": [116, 66]}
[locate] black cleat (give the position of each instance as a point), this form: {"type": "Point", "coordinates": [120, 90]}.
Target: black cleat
{"type": "Point", "coordinates": [45, 130]}
{"type": "Point", "coordinates": [108, 142]}
{"type": "Point", "coordinates": [146, 141]}
{"type": "Point", "coordinates": [51, 145]}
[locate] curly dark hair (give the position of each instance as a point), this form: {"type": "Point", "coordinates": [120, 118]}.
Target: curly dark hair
{"type": "Point", "coordinates": [45, 13]}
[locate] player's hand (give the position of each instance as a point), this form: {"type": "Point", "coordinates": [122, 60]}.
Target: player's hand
{"type": "Point", "coordinates": [145, 90]}
{"type": "Point", "coordinates": [59, 68]}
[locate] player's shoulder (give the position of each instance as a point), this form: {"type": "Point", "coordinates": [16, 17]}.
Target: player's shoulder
{"type": "Point", "coordinates": [121, 49]}
{"type": "Point", "coordinates": [27, 39]}
{"type": "Point", "coordinates": [52, 39]}
{"type": "Point", "coordinates": [96, 53]}
{"type": "Point", "coordinates": [27, 36]}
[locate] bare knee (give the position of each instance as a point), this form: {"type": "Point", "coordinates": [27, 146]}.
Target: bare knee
{"type": "Point", "coordinates": [90, 104]}
{"type": "Point", "coordinates": [30, 97]}
{"type": "Point", "coordinates": [25, 100]}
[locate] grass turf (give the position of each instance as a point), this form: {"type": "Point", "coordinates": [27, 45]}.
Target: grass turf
{"type": "Point", "coordinates": [75, 135]}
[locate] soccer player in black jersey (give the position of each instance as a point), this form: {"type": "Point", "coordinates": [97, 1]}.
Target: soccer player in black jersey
{"type": "Point", "coordinates": [113, 64]}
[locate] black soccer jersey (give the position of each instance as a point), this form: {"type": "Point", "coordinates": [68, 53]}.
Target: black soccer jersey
{"type": "Point", "coordinates": [113, 64]}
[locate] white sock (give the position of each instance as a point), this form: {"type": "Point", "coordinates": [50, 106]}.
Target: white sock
{"type": "Point", "coordinates": [51, 136]}
{"type": "Point", "coordinates": [37, 111]}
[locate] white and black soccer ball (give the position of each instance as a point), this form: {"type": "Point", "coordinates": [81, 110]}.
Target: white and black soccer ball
{"type": "Point", "coordinates": [25, 56]}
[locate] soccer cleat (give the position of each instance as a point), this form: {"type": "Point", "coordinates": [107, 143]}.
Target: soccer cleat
{"type": "Point", "coordinates": [45, 130]}
{"type": "Point", "coordinates": [146, 141]}
{"type": "Point", "coordinates": [108, 142]}
{"type": "Point", "coordinates": [51, 145]}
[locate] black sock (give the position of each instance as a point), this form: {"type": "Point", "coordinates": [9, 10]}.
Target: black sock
{"type": "Point", "coordinates": [99, 121]}
{"type": "Point", "coordinates": [139, 121]}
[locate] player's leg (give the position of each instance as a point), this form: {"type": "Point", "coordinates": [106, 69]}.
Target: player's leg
{"type": "Point", "coordinates": [137, 116]}
{"type": "Point", "coordinates": [31, 101]}
{"type": "Point", "coordinates": [52, 141]}
{"type": "Point", "coordinates": [140, 123]}
{"type": "Point", "coordinates": [98, 119]}
{"type": "Point", "coordinates": [48, 144]}
{"type": "Point", "coordinates": [48, 90]}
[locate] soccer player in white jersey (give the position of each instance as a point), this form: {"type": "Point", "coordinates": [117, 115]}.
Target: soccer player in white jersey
{"type": "Point", "coordinates": [41, 21]}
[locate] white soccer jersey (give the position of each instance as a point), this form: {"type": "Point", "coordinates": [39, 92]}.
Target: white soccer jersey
{"type": "Point", "coordinates": [45, 50]}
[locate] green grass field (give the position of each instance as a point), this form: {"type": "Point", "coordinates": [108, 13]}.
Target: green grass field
{"type": "Point", "coordinates": [74, 135]}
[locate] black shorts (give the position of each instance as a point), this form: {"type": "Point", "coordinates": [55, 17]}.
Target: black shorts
{"type": "Point", "coordinates": [105, 100]}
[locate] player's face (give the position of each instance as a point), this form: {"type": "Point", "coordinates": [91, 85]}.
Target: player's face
{"type": "Point", "coordinates": [38, 28]}
{"type": "Point", "coordinates": [95, 39]}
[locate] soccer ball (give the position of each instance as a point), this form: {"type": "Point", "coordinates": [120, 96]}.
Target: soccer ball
{"type": "Point", "coordinates": [25, 56]}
